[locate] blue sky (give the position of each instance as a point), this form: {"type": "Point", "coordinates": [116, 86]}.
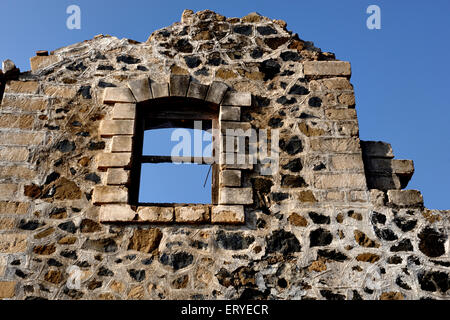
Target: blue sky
{"type": "Point", "coordinates": [400, 72]}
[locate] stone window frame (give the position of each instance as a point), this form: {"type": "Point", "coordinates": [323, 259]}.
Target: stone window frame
{"type": "Point", "coordinates": [113, 194]}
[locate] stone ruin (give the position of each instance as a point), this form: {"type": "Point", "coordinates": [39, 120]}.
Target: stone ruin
{"type": "Point", "coordinates": [333, 222]}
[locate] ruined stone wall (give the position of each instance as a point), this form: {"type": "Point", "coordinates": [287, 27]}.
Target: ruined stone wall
{"type": "Point", "coordinates": [333, 223]}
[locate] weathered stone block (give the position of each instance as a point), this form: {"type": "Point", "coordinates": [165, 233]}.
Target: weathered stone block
{"type": "Point", "coordinates": [216, 92]}
{"type": "Point", "coordinates": [116, 213]}
{"type": "Point", "coordinates": [7, 289]}
{"type": "Point", "coordinates": [117, 176]}
{"type": "Point", "coordinates": [124, 111]}
{"type": "Point", "coordinates": [160, 90]}
{"type": "Point", "coordinates": [122, 144]}
{"type": "Point", "coordinates": [335, 181]}
{"type": "Point", "coordinates": [347, 99]}
{"type": "Point", "coordinates": [109, 194]}
{"type": "Point", "coordinates": [230, 178]}
{"type": "Point", "coordinates": [40, 62]}
{"type": "Point", "coordinates": [377, 149]}
{"type": "Point", "coordinates": [140, 89]}
{"type": "Point", "coordinates": [342, 145]}
{"type": "Point", "coordinates": [405, 198]}
{"type": "Point", "coordinates": [347, 162]}
{"type": "Point", "coordinates": [113, 95]}
{"type": "Point", "coordinates": [228, 113]}
{"type": "Point", "coordinates": [31, 87]}
{"type": "Point", "coordinates": [156, 214]}
{"type": "Point", "coordinates": [242, 99]}
{"type": "Point", "coordinates": [7, 223]}
{"type": "Point", "coordinates": [327, 68]}
{"type": "Point", "coordinates": [8, 120]}
{"type": "Point", "coordinates": [56, 91]}
{"type": "Point", "coordinates": [179, 85]}
{"type": "Point", "coordinates": [8, 191]}
{"type": "Point", "coordinates": [113, 160]}
{"type": "Point", "coordinates": [197, 90]}
{"type": "Point", "coordinates": [12, 154]}
{"type": "Point", "coordinates": [24, 138]}
{"type": "Point", "coordinates": [7, 207]}
{"type": "Point", "coordinates": [116, 127]}
{"type": "Point", "coordinates": [192, 214]}
{"type": "Point", "coordinates": [235, 196]}
{"type": "Point", "coordinates": [228, 214]}
{"type": "Point", "coordinates": [234, 128]}
{"type": "Point", "coordinates": [402, 166]}
{"type": "Point", "coordinates": [13, 243]}
{"type": "Point", "coordinates": [25, 103]}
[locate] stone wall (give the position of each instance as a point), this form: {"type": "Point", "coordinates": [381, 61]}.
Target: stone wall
{"type": "Point", "coordinates": [333, 223]}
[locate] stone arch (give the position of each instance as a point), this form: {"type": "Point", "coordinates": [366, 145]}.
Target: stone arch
{"type": "Point", "coordinates": [113, 196]}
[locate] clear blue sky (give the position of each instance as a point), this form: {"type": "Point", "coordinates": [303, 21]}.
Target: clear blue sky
{"type": "Point", "coordinates": [400, 73]}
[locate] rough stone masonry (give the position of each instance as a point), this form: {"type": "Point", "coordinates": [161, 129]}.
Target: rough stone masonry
{"type": "Point", "coordinates": [335, 222]}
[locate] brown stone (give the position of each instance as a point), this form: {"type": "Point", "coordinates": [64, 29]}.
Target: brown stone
{"type": "Point", "coordinates": [307, 196]}
{"type": "Point", "coordinates": [45, 250]}
{"type": "Point", "coordinates": [317, 266]}
{"type": "Point", "coordinates": [368, 257]}
{"type": "Point", "coordinates": [392, 295]}
{"type": "Point", "coordinates": [13, 243]}
{"type": "Point", "coordinates": [7, 289]}
{"type": "Point", "coordinates": [44, 233]}
{"type": "Point", "coordinates": [363, 240]}
{"type": "Point", "coordinates": [145, 241]}
{"type": "Point", "coordinates": [67, 240]}
{"type": "Point", "coordinates": [136, 293]}
{"type": "Point", "coordinates": [180, 282]}
{"type": "Point", "coordinates": [22, 87]}
{"type": "Point", "coordinates": [310, 131]}
{"type": "Point", "coordinates": [297, 220]}
{"type": "Point", "coordinates": [53, 276]}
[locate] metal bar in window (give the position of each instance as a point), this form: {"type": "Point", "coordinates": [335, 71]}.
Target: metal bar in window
{"type": "Point", "coordinates": [162, 159]}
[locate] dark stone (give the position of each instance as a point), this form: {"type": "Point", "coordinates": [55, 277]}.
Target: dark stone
{"type": "Point", "coordinates": [319, 218]}
{"type": "Point", "coordinates": [403, 245]}
{"type": "Point", "coordinates": [68, 226]}
{"type": "Point", "coordinates": [94, 284]}
{"type": "Point", "coordinates": [15, 263]}
{"type": "Point", "coordinates": [287, 73]}
{"type": "Point", "coordinates": [69, 254]}
{"type": "Point", "coordinates": [356, 295]}
{"type": "Point", "coordinates": [177, 260]}
{"type": "Point", "coordinates": [283, 242]}
{"type": "Point", "coordinates": [404, 224]}
{"type": "Point", "coordinates": [261, 223]}
{"type": "Point", "coordinates": [290, 56]}
{"type": "Point", "coordinates": [192, 61]}
{"type": "Point", "coordinates": [141, 68]}
{"type": "Point", "coordinates": [92, 177]}
{"type": "Point", "coordinates": [199, 245]}
{"type": "Point", "coordinates": [89, 226]}
{"type": "Point", "coordinates": [76, 124]}
{"type": "Point", "coordinates": [433, 281]}
{"type": "Point", "coordinates": [315, 102]}
{"type": "Point", "coordinates": [94, 145]}
{"type": "Point", "coordinates": [394, 260]}
{"type": "Point", "coordinates": [266, 30]}
{"type": "Point", "coordinates": [319, 167]}
{"type": "Point", "coordinates": [413, 260]}
{"type": "Point", "coordinates": [214, 59]}
{"type": "Point", "coordinates": [29, 224]}
{"type": "Point", "coordinates": [441, 263]}
{"type": "Point", "coordinates": [233, 241]}
{"type": "Point", "coordinates": [306, 116]}
{"type": "Point", "coordinates": [138, 275]}
{"type": "Point", "coordinates": [65, 146]}
{"type": "Point", "coordinates": [103, 84]}
{"type": "Point", "coordinates": [52, 177]}
{"type": "Point", "coordinates": [378, 218]}
{"type": "Point", "coordinates": [329, 295]}
{"type": "Point", "coordinates": [300, 90]}
{"type": "Point", "coordinates": [290, 181]}
{"type": "Point", "coordinates": [320, 237]}
{"type": "Point", "coordinates": [73, 171]}
{"type": "Point", "coordinates": [294, 165]}
{"type": "Point", "coordinates": [385, 234]}
{"type": "Point", "coordinates": [245, 30]}
{"type": "Point", "coordinates": [332, 255]}
{"type": "Point", "coordinates": [20, 274]}
{"type": "Point", "coordinates": [282, 283]}
{"type": "Point", "coordinates": [100, 245]}
{"type": "Point", "coordinates": [293, 146]}
{"type": "Point", "coordinates": [399, 281]}
{"type": "Point", "coordinates": [256, 53]}
{"type": "Point", "coordinates": [262, 185]}
{"type": "Point", "coordinates": [76, 66]}
{"type": "Point", "coordinates": [270, 68]}
{"type": "Point", "coordinates": [262, 101]}
{"type": "Point", "coordinates": [202, 72]}
{"type": "Point", "coordinates": [127, 59]}
{"type": "Point", "coordinates": [105, 67]}
{"type": "Point", "coordinates": [83, 264]}
{"type": "Point", "coordinates": [285, 101]}
{"type": "Point", "coordinates": [253, 294]}
{"type": "Point", "coordinates": [432, 242]}
{"type": "Point", "coordinates": [72, 293]}
{"type": "Point", "coordinates": [275, 123]}
{"type": "Point", "coordinates": [184, 46]}
{"type": "Point", "coordinates": [279, 196]}
{"type": "Point", "coordinates": [147, 261]}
